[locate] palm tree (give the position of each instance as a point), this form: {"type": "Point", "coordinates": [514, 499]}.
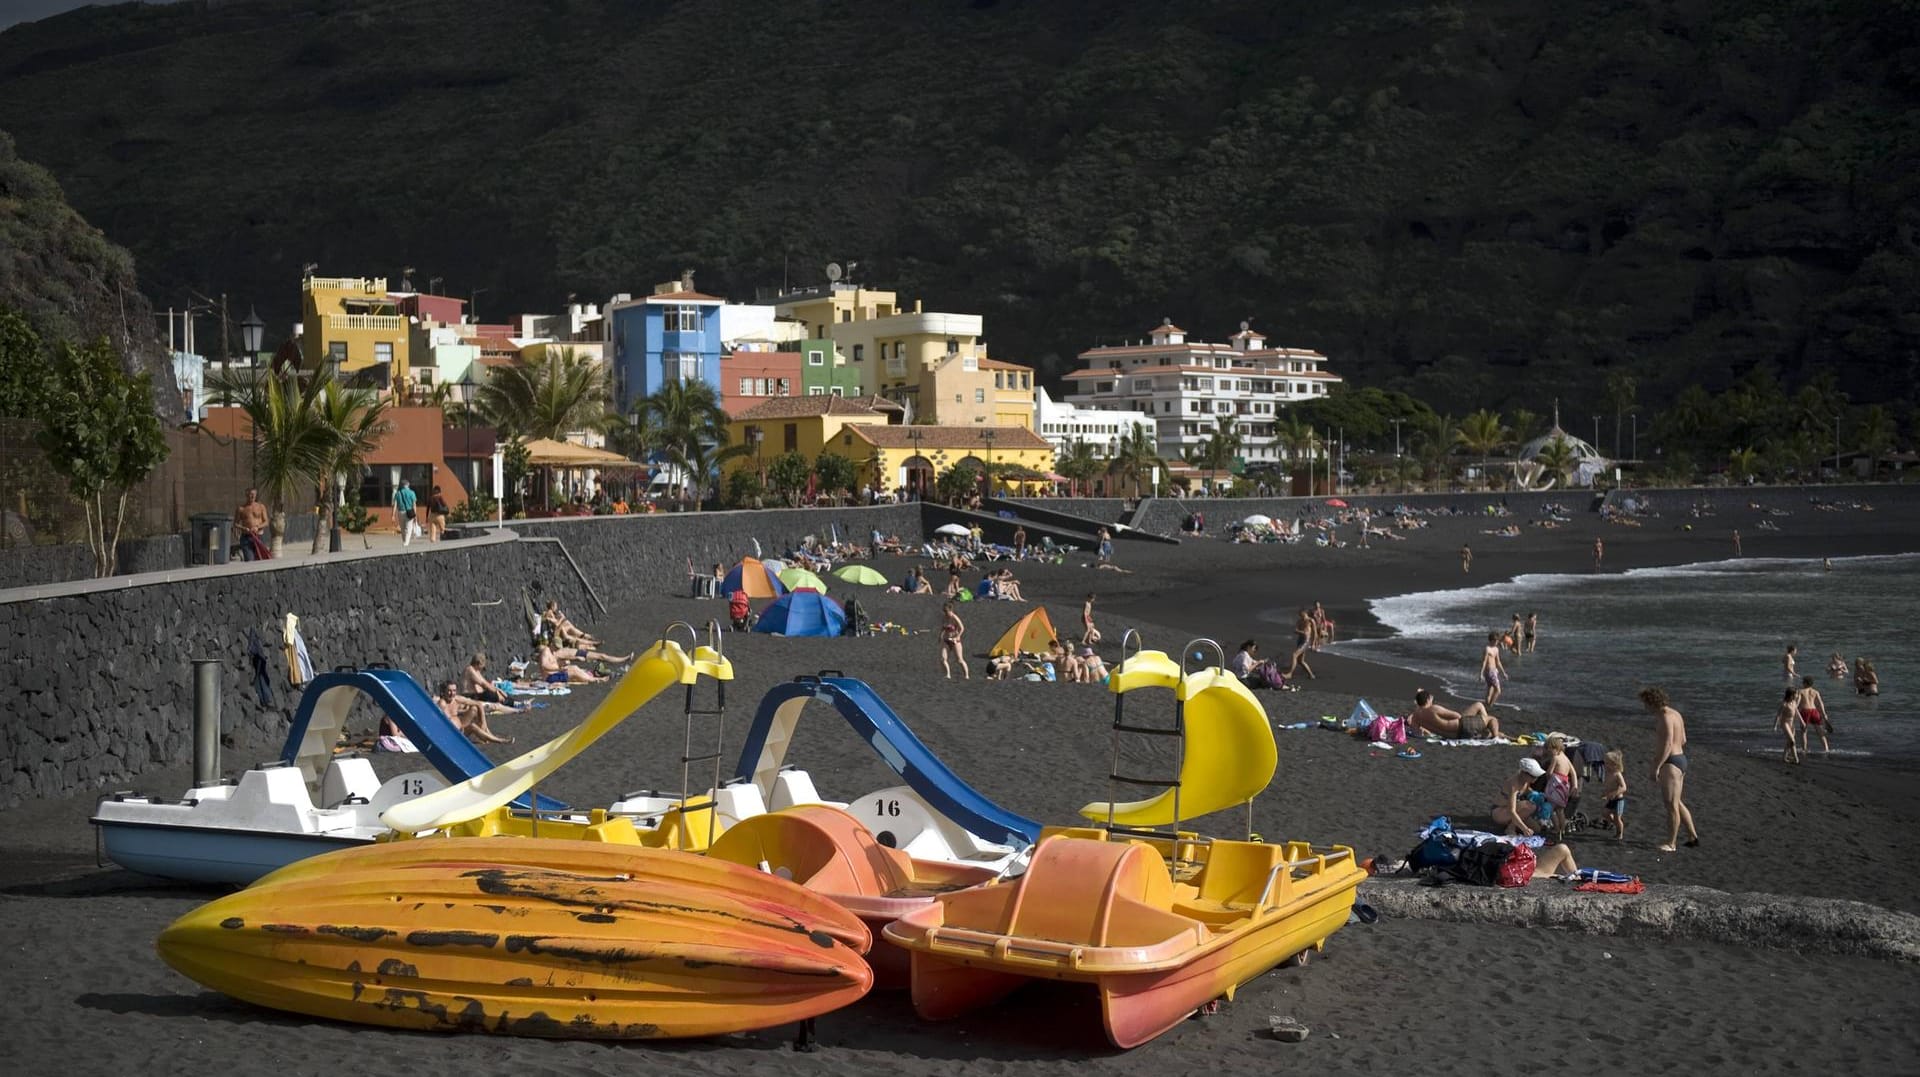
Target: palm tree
{"type": "Point", "coordinates": [1622, 391]}
{"type": "Point", "coordinates": [1557, 456]}
{"type": "Point", "coordinates": [1136, 457]}
{"type": "Point", "coordinates": [1741, 463]}
{"type": "Point", "coordinates": [1433, 446]}
{"type": "Point", "coordinates": [1523, 423]}
{"type": "Point", "coordinates": [1874, 435]}
{"type": "Point", "coordinates": [1222, 445]}
{"type": "Point", "coordinates": [690, 429]}
{"type": "Point", "coordinates": [355, 419]}
{"type": "Point", "coordinates": [632, 436]}
{"type": "Point", "coordinates": [558, 394]}
{"type": "Point", "coordinates": [1078, 462]}
{"type": "Point", "coordinates": [293, 444]}
{"type": "Point", "coordinates": [1483, 434]}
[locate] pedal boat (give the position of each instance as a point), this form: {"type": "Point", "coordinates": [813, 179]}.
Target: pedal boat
{"type": "Point", "coordinates": [1156, 942]}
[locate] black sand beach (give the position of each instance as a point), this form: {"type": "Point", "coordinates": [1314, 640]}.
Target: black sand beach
{"type": "Point", "coordinates": [87, 993]}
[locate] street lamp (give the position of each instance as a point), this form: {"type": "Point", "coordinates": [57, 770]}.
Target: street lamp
{"type": "Point", "coordinates": [914, 434]}
{"type": "Point", "coordinates": [1399, 467]}
{"type": "Point", "coordinates": [988, 434]}
{"type": "Point", "coordinates": [467, 390]}
{"type": "Point", "coordinates": [756, 435]}
{"type": "Point", "coordinates": [251, 333]}
{"type": "Point", "coordinates": [1634, 418]}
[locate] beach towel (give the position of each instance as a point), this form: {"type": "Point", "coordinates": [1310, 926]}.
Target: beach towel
{"type": "Point", "coordinates": [257, 658]}
{"type": "Point", "coordinates": [1467, 742]}
{"type": "Point", "coordinates": [395, 744]}
{"type": "Point", "coordinates": [1600, 875]}
{"type": "Point", "coordinates": [299, 665]}
{"type": "Point", "coordinates": [1631, 886]}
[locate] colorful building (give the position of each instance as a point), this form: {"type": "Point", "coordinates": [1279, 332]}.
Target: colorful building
{"type": "Point", "coordinates": [808, 425]}
{"type": "Point", "coordinates": [352, 324]}
{"type": "Point", "coordinates": [673, 334]}
{"type": "Point", "coordinates": [1101, 429]}
{"type": "Point", "coordinates": [1189, 387]}
{"type": "Point", "coordinates": [749, 379]}
{"type": "Point", "coordinates": [910, 458]}
{"type": "Point", "coordinates": [824, 370]}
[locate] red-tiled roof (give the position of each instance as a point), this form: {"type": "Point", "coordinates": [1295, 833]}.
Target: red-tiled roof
{"type": "Point", "coordinates": [950, 437]}
{"type": "Point", "coordinates": [798, 407]}
{"type": "Point", "coordinates": [1168, 328]}
{"type": "Point", "coordinates": [1001, 364]}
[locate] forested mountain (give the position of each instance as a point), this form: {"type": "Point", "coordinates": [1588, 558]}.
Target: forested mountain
{"type": "Point", "coordinates": [1484, 203]}
{"type": "Point", "coordinates": [69, 282]}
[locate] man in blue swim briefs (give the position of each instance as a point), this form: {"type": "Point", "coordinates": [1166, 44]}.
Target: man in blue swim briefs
{"type": "Point", "coordinates": [1670, 765]}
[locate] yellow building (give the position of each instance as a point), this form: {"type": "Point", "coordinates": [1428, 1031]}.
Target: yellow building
{"type": "Point", "coordinates": [932, 363]}
{"type": "Point", "coordinates": [353, 323]}
{"type": "Point", "coordinates": [807, 425]}
{"type": "Point", "coordinates": [909, 458]}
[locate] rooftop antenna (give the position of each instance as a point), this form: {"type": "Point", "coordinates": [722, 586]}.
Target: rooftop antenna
{"type": "Point", "coordinates": [433, 284]}
{"type": "Point", "coordinates": [406, 278]}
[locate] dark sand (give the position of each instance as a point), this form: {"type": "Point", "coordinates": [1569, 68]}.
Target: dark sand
{"type": "Point", "coordinates": [87, 994]}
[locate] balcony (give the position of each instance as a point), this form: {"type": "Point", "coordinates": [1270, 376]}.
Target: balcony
{"type": "Point", "coordinates": [365, 323]}
{"type": "Point", "coordinates": [367, 285]}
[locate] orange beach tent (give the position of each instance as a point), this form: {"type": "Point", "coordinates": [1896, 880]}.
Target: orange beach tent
{"type": "Point", "coordinates": [1033, 633]}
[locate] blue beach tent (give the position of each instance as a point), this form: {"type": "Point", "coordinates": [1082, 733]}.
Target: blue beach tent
{"type": "Point", "coordinates": [805, 612]}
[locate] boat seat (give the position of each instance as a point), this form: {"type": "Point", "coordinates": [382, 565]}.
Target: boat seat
{"type": "Point", "coordinates": [792, 787]}
{"type": "Point", "coordinates": [1236, 874]}
{"type": "Point", "coordinates": [821, 848]}
{"type": "Point", "coordinates": [346, 777]}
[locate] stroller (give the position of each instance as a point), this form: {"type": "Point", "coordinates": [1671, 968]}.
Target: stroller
{"type": "Point", "coordinates": [858, 624]}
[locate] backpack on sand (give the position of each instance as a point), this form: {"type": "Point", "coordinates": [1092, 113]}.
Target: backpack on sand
{"type": "Point", "coordinates": [1481, 864]}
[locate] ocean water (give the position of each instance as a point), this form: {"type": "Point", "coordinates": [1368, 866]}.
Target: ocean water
{"type": "Point", "coordinates": [1711, 634]}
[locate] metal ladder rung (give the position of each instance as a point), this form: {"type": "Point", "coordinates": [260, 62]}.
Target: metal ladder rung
{"type": "Point", "coordinates": [1146, 730]}
{"type": "Point", "coordinates": [708, 758]}
{"type": "Point", "coordinates": [686, 808]}
{"type": "Point", "coordinates": [1152, 783]}
{"type": "Point", "coordinates": [706, 714]}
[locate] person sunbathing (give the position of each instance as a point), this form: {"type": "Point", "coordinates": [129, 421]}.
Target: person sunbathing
{"type": "Point", "coordinates": [475, 684]}
{"type": "Point", "coordinates": [1475, 723]}
{"type": "Point", "coordinates": [469, 716]}
{"type": "Point", "coordinates": [554, 671]}
{"type": "Point", "coordinates": [1009, 588]}
{"type": "Point", "coordinates": [564, 630]}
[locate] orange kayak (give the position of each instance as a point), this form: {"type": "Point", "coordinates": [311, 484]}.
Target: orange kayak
{"type": "Point", "coordinates": [833, 854]}
{"type": "Point", "coordinates": [1155, 943]}
{"type": "Point", "coordinates": [528, 937]}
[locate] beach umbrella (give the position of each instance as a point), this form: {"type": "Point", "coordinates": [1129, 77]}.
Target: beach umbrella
{"type": "Point", "coordinates": [956, 530]}
{"type": "Point", "coordinates": [1336, 503]}
{"type": "Point", "coordinates": [803, 613]}
{"type": "Point", "coordinates": [1257, 520]}
{"type": "Point", "coordinates": [754, 578]}
{"type": "Point", "coordinates": [775, 565]}
{"type": "Point", "coordinates": [862, 575]}
{"type": "Point", "coordinates": [797, 577]}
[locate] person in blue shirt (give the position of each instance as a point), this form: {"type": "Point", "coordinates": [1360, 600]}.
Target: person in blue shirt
{"type": "Point", "coordinates": [404, 500]}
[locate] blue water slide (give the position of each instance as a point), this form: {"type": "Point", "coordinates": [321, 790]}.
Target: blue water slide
{"type": "Point", "coordinates": [328, 698]}
{"type": "Point", "coordinates": [892, 740]}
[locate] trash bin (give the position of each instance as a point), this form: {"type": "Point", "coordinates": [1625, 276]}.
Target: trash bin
{"type": "Point", "coordinates": [211, 539]}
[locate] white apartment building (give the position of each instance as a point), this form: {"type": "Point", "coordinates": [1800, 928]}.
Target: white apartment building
{"type": "Point", "coordinates": [1186, 387]}
{"type": "Point", "coordinates": [1062, 424]}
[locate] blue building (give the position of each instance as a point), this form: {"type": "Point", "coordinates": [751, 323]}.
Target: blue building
{"type": "Point", "coordinates": [673, 334]}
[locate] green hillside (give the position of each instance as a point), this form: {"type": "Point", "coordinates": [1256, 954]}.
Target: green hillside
{"type": "Point", "coordinates": [1482, 203]}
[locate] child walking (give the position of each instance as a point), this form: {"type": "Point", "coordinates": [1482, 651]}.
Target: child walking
{"type": "Point", "coordinates": [1613, 790]}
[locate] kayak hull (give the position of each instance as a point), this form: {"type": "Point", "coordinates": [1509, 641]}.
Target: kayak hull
{"type": "Point", "coordinates": [533, 938]}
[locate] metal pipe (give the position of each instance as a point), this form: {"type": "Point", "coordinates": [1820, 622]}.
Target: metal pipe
{"type": "Point", "coordinates": [206, 721]}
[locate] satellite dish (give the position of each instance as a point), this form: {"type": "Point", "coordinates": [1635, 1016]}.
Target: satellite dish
{"type": "Point", "coordinates": [1244, 326]}
{"type": "Point", "coordinates": [833, 271]}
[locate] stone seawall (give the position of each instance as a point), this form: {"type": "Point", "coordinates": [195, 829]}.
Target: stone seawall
{"type": "Point", "coordinates": [649, 554]}
{"type": "Point", "coordinates": [32, 566]}
{"type": "Point", "coordinates": [98, 674]}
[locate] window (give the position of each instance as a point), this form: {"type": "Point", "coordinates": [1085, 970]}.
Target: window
{"type": "Point", "coordinates": [423, 375]}
{"type": "Point", "coordinates": [999, 380]}
{"type": "Point", "coordinates": [337, 351]}
{"type": "Point", "coordinates": [1140, 385]}
{"type": "Point", "coordinates": [682, 365]}
{"type": "Point", "coordinates": [790, 437]}
{"type": "Point", "coordinates": [970, 362]}
{"type": "Point", "coordinates": [816, 357]}
{"type": "Point", "coordinates": [383, 352]}
{"type": "Point", "coordinates": [815, 390]}
{"type": "Point", "coordinates": [1026, 380]}
{"type": "Point", "coordinates": [785, 387]}
{"type": "Point", "coordinates": [683, 319]}
{"type": "Point", "coordinates": [859, 353]}
{"type": "Point", "coordinates": [953, 346]}
{"type": "Point", "coordinates": [837, 391]}
{"type": "Point", "coordinates": [979, 396]}
{"type": "Point", "coordinates": [746, 387]}
{"type": "Point", "coordinates": [846, 315]}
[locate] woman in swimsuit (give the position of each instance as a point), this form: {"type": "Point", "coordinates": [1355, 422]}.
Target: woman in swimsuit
{"type": "Point", "coordinates": [1302, 640]}
{"type": "Point", "coordinates": [1533, 630]}
{"type": "Point", "coordinates": [1491, 671]}
{"type": "Point", "coordinates": [1523, 804]}
{"type": "Point", "coordinates": [1865, 680]}
{"type": "Point", "coordinates": [1089, 635]}
{"type": "Point", "coordinates": [952, 630]}
{"type": "Point", "coordinates": [1813, 711]}
{"type": "Point", "coordinates": [1787, 720]}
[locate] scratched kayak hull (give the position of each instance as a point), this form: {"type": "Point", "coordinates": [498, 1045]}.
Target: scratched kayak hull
{"type": "Point", "coordinates": [527, 937]}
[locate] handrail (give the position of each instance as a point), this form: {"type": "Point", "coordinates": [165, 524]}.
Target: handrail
{"type": "Point", "coordinates": [575, 565]}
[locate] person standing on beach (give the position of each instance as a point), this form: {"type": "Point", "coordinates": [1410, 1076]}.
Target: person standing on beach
{"type": "Point", "coordinates": [1089, 635]}
{"type": "Point", "coordinates": [1670, 766]}
{"type": "Point", "coordinates": [1491, 671]}
{"type": "Point", "coordinates": [250, 520]}
{"type": "Point", "coordinates": [952, 631]}
{"type": "Point", "coordinates": [1019, 543]}
{"type": "Point", "coordinates": [1787, 720]}
{"type": "Point", "coordinates": [1303, 632]}
{"type": "Point", "coordinates": [1599, 553]}
{"type": "Point", "coordinates": [1466, 558]}
{"type": "Point", "coordinates": [1533, 629]}
{"type": "Point", "coordinates": [1786, 663]}
{"type": "Point", "coordinates": [1106, 546]}
{"type": "Point", "coordinates": [1813, 712]}
{"type": "Point", "coordinates": [1736, 542]}
{"type": "Point", "coordinates": [1516, 635]}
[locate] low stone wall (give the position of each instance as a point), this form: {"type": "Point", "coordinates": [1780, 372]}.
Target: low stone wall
{"type": "Point", "coordinates": [31, 566]}
{"type": "Point", "coordinates": [100, 685]}
{"type": "Point", "coordinates": [649, 554]}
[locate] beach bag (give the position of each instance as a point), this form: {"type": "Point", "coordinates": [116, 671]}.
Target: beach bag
{"type": "Point", "coordinates": [1518, 870]}
{"type": "Point", "coordinates": [1558, 791]}
{"type": "Point", "coordinates": [1480, 864]}
{"type": "Point", "coordinates": [1270, 674]}
{"type": "Point", "coordinates": [1390, 730]}
{"type": "Point", "coordinates": [1433, 852]}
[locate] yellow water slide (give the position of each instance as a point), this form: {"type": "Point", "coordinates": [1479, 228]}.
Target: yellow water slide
{"type": "Point", "coordinates": [664, 665]}
{"type": "Point", "coordinates": [1229, 755]}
